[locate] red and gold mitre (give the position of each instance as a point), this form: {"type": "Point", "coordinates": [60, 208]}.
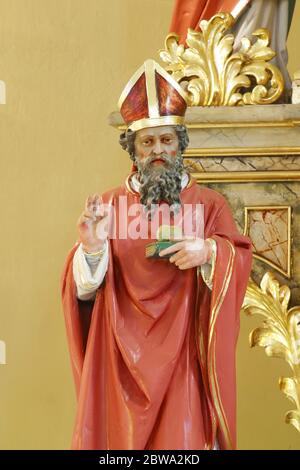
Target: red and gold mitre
{"type": "Point", "coordinates": [152, 98]}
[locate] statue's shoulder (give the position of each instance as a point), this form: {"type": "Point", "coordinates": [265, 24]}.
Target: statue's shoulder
{"type": "Point", "coordinates": [111, 195]}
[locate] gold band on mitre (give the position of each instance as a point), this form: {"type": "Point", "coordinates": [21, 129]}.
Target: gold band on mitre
{"type": "Point", "coordinates": [156, 122]}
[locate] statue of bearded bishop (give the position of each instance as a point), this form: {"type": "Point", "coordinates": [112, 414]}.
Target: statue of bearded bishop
{"type": "Point", "coordinates": [152, 338]}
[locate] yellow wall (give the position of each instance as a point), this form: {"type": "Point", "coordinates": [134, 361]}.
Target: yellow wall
{"type": "Point", "coordinates": [293, 41]}
{"type": "Point", "coordinates": [65, 63]}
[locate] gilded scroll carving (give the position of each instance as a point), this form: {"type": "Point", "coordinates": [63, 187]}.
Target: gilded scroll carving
{"type": "Point", "coordinates": [279, 334]}
{"type": "Point", "coordinates": [213, 74]}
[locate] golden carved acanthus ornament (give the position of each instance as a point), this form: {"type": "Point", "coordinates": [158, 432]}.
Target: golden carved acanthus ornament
{"type": "Point", "coordinates": [279, 335]}
{"type": "Point", "coordinates": [213, 74]}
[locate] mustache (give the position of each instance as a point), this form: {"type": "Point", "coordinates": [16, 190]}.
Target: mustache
{"type": "Point", "coordinates": [152, 158]}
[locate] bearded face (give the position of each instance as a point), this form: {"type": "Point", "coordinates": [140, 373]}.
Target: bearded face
{"type": "Point", "coordinates": [160, 166]}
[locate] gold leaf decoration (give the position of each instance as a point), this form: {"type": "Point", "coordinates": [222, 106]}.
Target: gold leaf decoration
{"type": "Point", "coordinates": [279, 335]}
{"type": "Point", "coordinates": [213, 74]}
{"type": "Point", "coordinates": [193, 165]}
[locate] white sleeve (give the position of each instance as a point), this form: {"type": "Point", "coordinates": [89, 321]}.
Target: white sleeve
{"type": "Point", "coordinates": [89, 272]}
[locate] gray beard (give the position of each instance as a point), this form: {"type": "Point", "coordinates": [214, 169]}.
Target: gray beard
{"type": "Point", "coordinates": [160, 182]}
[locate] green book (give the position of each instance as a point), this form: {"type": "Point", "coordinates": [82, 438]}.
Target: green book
{"type": "Point", "coordinates": [153, 249]}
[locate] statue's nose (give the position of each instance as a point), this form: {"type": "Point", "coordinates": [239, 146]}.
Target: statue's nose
{"type": "Point", "coordinates": [157, 150]}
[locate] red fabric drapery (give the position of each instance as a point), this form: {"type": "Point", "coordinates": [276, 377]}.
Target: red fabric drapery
{"type": "Point", "coordinates": [137, 349]}
{"type": "Point", "coordinates": [188, 13]}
